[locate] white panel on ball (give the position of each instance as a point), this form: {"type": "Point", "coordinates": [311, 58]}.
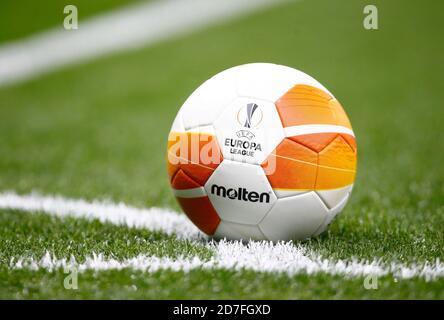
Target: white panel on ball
{"type": "Point", "coordinates": [332, 214]}
{"type": "Point", "coordinates": [332, 197]}
{"type": "Point", "coordinates": [236, 231]}
{"type": "Point", "coordinates": [271, 81]}
{"type": "Point", "coordinates": [207, 102]}
{"type": "Point", "coordinates": [203, 129]}
{"type": "Point", "coordinates": [248, 130]}
{"type": "Point", "coordinates": [294, 218]}
{"type": "Point", "coordinates": [288, 193]}
{"type": "Point", "coordinates": [240, 192]}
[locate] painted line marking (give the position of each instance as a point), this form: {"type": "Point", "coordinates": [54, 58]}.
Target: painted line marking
{"type": "Point", "coordinates": [154, 219]}
{"type": "Point", "coordinates": [262, 256]}
{"type": "Point", "coordinates": [266, 257]}
{"type": "Point", "coordinates": [128, 28]}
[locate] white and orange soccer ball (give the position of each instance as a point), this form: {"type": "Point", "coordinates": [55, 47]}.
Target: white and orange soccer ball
{"type": "Point", "coordinates": [262, 151]}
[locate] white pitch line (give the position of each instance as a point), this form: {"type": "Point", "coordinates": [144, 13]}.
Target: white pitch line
{"type": "Point", "coordinates": [154, 219]}
{"type": "Point", "coordinates": [131, 27]}
{"type": "Point", "coordinates": [286, 258]}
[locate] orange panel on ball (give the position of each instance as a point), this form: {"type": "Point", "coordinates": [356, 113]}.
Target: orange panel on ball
{"type": "Point", "coordinates": [351, 141]}
{"type": "Point", "coordinates": [197, 154]}
{"type": "Point", "coordinates": [201, 212]}
{"type": "Point", "coordinates": [291, 166]}
{"type": "Point", "coordinates": [305, 104]}
{"type": "Point", "coordinates": [337, 165]}
{"type": "Point", "coordinates": [315, 141]}
{"type": "Point", "coordinates": [182, 181]}
{"type": "Point", "coordinates": [318, 141]}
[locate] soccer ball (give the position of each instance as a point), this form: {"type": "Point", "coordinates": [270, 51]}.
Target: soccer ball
{"type": "Point", "coordinates": [264, 152]}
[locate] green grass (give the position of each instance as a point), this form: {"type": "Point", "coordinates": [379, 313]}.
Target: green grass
{"type": "Point", "coordinates": [31, 236]}
{"type": "Point", "coordinates": [99, 131]}
{"type": "Point", "coordinates": [22, 18]}
{"type": "Point", "coordinates": [199, 284]}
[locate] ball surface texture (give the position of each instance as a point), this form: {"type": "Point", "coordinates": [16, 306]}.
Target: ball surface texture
{"type": "Point", "coordinates": [264, 152]}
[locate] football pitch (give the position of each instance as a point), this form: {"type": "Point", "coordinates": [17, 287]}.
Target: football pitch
{"type": "Point", "coordinates": [83, 165]}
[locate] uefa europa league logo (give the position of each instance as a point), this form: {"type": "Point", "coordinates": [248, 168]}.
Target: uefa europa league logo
{"type": "Point", "coordinates": [250, 116]}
